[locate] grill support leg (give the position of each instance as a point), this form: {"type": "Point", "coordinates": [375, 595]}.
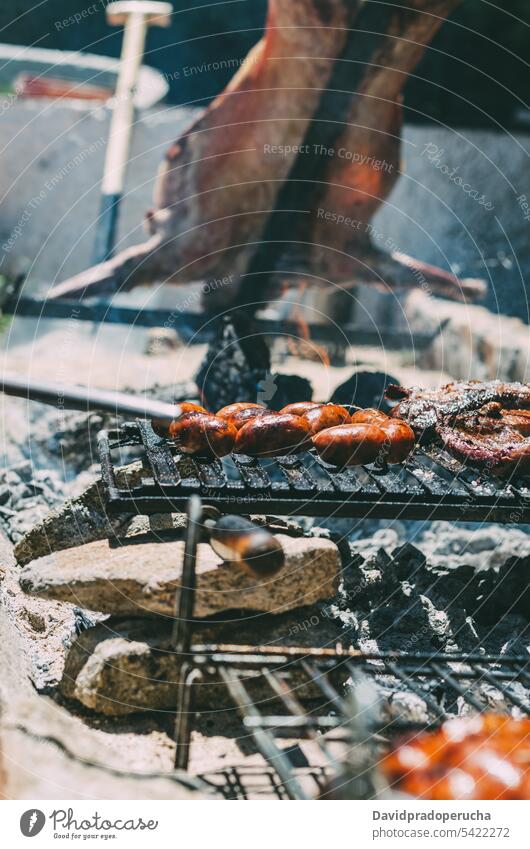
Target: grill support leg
{"type": "Point", "coordinates": [188, 675]}
{"type": "Point", "coordinates": [182, 636]}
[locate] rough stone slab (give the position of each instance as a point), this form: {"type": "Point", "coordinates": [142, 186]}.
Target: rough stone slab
{"type": "Point", "coordinates": [141, 577]}
{"type": "Point", "coordinates": [84, 519]}
{"type": "Point", "coordinates": [50, 754]}
{"type": "Point", "coordinates": [76, 522]}
{"type": "Point", "coordinates": [122, 666]}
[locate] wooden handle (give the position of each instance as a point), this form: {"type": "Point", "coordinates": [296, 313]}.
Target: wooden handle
{"type": "Point", "coordinates": [236, 539]}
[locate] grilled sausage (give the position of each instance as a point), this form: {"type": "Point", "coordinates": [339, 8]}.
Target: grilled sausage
{"type": "Point", "coordinates": [272, 435]}
{"type": "Point", "coordinates": [350, 444]}
{"type": "Point", "coordinates": [203, 435]}
{"type": "Point", "coordinates": [300, 408]}
{"type": "Point", "coordinates": [162, 428]}
{"type": "Point", "coordinates": [325, 416]}
{"type": "Point", "coordinates": [400, 440]}
{"type": "Point", "coordinates": [369, 416]}
{"type": "Point", "coordinates": [240, 413]}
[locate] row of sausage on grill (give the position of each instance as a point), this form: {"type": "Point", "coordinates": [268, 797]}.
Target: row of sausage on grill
{"type": "Point", "coordinates": [339, 437]}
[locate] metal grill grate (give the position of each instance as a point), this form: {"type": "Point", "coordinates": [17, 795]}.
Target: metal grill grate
{"type": "Point", "coordinates": [306, 698]}
{"type": "Point", "coordinates": [302, 692]}
{"type": "Point", "coordinates": [430, 485]}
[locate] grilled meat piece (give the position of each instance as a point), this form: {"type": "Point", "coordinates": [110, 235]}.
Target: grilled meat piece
{"type": "Point", "coordinates": [424, 410]}
{"type": "Point", "coordinates": [400, 439]}
{"type": "Point", "coordinates": [481, 757]}
{"type": "Point", "coordinates": [486, 424]}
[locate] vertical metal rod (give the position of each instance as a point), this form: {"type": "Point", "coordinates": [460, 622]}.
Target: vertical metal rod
{"type": "Point", "coordinates": [182, 635]}
{"type": "Point", "coordinates": [185, 595]}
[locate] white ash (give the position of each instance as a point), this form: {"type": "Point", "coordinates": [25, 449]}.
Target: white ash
{"type": "Point", "coordinates": [26, 496]}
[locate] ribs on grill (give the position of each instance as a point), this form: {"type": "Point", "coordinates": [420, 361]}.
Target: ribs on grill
{"type": "Point", "coordinates": [327, 72]}
{"type": "Point", "coordinates": [485, 424]}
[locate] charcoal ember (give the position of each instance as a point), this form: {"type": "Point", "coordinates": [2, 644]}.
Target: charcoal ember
{"type": "Point", "coordinates": [408, 561]}
{"type": "Point", "coordinates": [371, 581]}
{"type": "Point", "coordinates": [504, 592]}
{"type": "Point", "coordinates": [453, 588]}
{"type": "Point", "coordinates": [352, 574]}
{"type": "Point", "coordinates": [364, 389]}
{"type": "Point", "coordinates": [286, 389]}
{"type": "Point", "coordinates": [21, 471]}
{"type": "Point", "coordinates": [236, 363]}
{"type": "Point", "coordinates": [410, 623]}
{"type": "Point", "coordinates": [76, 441]}
{"type": "Point", "coordinates": [18, 493]}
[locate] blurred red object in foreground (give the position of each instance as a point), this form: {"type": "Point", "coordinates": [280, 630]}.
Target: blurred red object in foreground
{"type": "Point", "coordinates": [480, 757]}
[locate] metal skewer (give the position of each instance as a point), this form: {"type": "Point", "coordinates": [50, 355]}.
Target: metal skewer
{"type": "Point", "coordinates": [72, 397]}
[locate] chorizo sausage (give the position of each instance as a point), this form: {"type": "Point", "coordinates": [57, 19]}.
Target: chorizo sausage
{"type": "Point", "coordinates": [240, 413]}
{"type": "Point", "coordinates": [369, 416]}
{"type": "Point", "coordinates": [203, 435]}
{"type": "Point", "coordinates": [325, 416]}
{"type": "Point", "coordinates": [272, 435]}
{"type": "Point", "coordinates": [350, 444]}
{"type": "Point", "coordinates": [400, 440]}
{"type": "Point", "coordinates": [162, 428]}
{"type": "Point", "coordinates": [300, 408]}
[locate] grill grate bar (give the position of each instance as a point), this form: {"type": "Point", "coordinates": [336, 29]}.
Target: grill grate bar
{"type": "Point", "coordinates": [264, 739]}
{"type": "Point", "coordinates": [320, 678]}
{"type": "Point", "coordinates": [254, 476]}
{"type": "Point", "coordinates": [159, 455]}
{"type": "Point", "coordinates": [298, 476]}
{"type": "Point", "coordinates": [452, 682]}
{"type": "Point", "coordinates": [505, 690]}
{"type": "Point", "coordinates": [439, 713]}
{"type": "Point", "coordinates": [280, 687]}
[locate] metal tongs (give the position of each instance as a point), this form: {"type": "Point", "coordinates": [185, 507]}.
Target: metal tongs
{"type": "Point", "coordinates": [85, 398]}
